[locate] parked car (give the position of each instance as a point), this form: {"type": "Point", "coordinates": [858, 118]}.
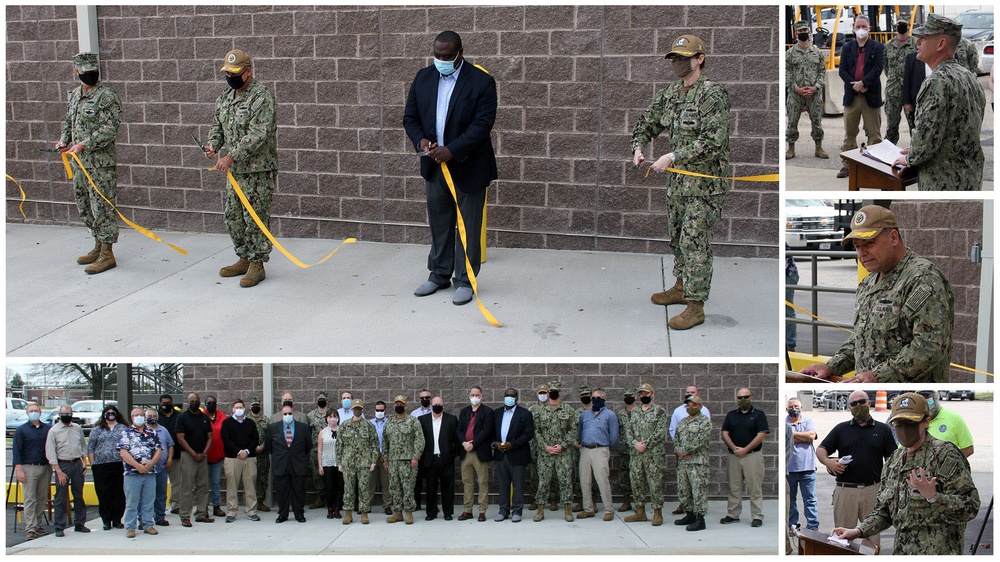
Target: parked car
{"type": "Point", "coordinates": [959, 394]}
{"type": "Point", "coordinates": [88, 412]}
{"type": "Point", "coordinates": [14, 407]}
{"type": "Point", "coordinates": [15, 423]}
{"type": "Point", "coordinates": [811, 224]}
{"type": "Point", "coordinates": [986, 58]}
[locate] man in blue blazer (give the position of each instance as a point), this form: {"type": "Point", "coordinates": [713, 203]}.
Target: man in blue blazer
{"type": "Point", "coordinates": [513, 429]}
{"type": "Point", "coordinates": [449, 114]}
{"type": "Point", "coordinates": [861, 62]}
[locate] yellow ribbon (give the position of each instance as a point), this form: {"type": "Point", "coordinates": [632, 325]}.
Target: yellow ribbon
{"type": "Point", "coordinates": [263, 227]}
{"type": "Point", "coordinates": [465, 244]}
{"type": "Point", "coordinates": [807, 313]}
{"type": "Point", "coordinates": [761, 178]}
{"type": "Point", "coordinates": [69, 173]}
{"type": "Point", "coordinates": [23, 196]}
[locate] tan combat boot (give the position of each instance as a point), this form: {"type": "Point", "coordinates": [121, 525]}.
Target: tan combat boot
{"type": "Point", "coordinates": [409, 518]}
{"type": "Point", "coordinates": [104, 262]}
{"type": "Point", "coordinates": [261, 506]}
{"type": "Point", "coordinates": [396, 517]}
{"type": "Point", "coordinates": [820, 153]}
{"type": "Point", "coordinates": [639, 515]}
{"type": "Point", "coordinates": [364, 518]}
{"type": "Point", "coordinates": [693, 315]}
{"type": "Point", "coordinates": [92, 255]}
{"type": "Point", "coordinates": [238, 268]}
{"type": "Point", "coordinates": [657, 517]}
{"type": "Point", "coordinates": [626, 505]}
{"type": "Point", "coordinates": [568, 514]}
{"type": "Point", "coordinates": [790, 153]}
{"type": "Point", "coordinates": [348, 519]}
{"type": "Point", "coordinates": [254, 275]}
{"type": "Point", "coordinates": [541, 513]}
{"type": "Point", "coordinates": [674, 295]}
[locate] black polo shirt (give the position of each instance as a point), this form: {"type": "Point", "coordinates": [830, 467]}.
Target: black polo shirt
{"type": "Point", "coordinates": [869, 445]}
{"type": "Point", "coordinates": [196, 429]}
{"type": "Point", "coordinates": [743, 427]}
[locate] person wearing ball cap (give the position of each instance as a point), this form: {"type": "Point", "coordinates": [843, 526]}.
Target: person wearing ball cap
{"type": "Point", "coordinates": [692, 114]}
{"type": "Point", "coordinates": [904, 314]}
{"type": "Point", "coordinates": [927, 490]}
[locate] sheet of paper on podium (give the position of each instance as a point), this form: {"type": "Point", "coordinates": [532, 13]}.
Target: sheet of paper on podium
{"type": "Point", "coordinates": [885, 152]}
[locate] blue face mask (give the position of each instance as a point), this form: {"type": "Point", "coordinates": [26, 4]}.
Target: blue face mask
{"type": "Point", "coordinates": [34, 416]}
{"type": "Point", "coordinates": [445, 67]}
{"type": "Point", "coordinates": [139, 421]}
{"type": "Point", "coordinates": [509, 401]}
{"type": "Point", "coordinates": [288, 418]}
{"type": "Point", "coordinates": [346, 403]}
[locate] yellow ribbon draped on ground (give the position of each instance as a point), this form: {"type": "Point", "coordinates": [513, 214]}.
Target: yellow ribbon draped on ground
{"type": "Point", "coordinates": [264, 229]}
{"type": "Point", "coordinates": [69, 173]}
{"type": "Point", "coordinates": [465, 244]}
{"type": "Point", "coordinates": [761, 178]}
{"type": "Point", "coordinates": [807, 313]}
{"type": "Point", "coordinates": [23, 196]}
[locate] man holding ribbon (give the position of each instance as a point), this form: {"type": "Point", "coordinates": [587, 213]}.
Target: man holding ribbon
{"type": "Point", "coordinates": [693, 114]}
{"type": "Point", "coordinates": [89, 131]}
{"type": "Point", "coordinates": [246, 121]}
{"type": "Point", "coordinates": [450, 110]}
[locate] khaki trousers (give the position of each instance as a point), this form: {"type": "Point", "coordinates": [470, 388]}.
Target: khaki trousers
{"type": "Point", "coordinates": [176, 485]}
{"type": "Point", "coordinates": [237, 470]}
{"type": "Point", "coordinates": [194, 487]}
{"type": "Point", "coordinates": [595, 465]}
{"type": "Point", "coordinates": [749, 469]}
{"type": "Point", "coordinates": [37, 479]}
{"type": "Point", "coordinates": [853, 114]}
{"type": "Point", "coordinates": [475, 470]}
{"type": "Point", "coordinates": [852, 505]}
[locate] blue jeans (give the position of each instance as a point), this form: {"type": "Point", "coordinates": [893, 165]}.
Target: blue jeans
{"type": "Point", "coordinates": [140, 493]}
{"type": "Point", "coordinates": [790, 328]}
{"type": "Point", "coordinates": [806, 482]}
{"type": "Point", "coordinates": [214, 473]}
{"type": "Point", "coordinates": [160, 504]}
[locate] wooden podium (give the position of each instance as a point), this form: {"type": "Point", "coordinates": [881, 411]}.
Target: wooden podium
{"type": "Point", "coordinates": [868, 173]}
{"type": "Point", "coordinates": [815, 542]}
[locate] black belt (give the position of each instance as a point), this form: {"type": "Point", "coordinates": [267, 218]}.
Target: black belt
{"type": "Point", "coordinates": [39, 463]}
{"type": "Point", "coordinates": [71, 460]}
{"type": "Point", "coordinates": [857, 485]}
{"type": "Point", "coordinates": [754, 451]}
{"type": "Point", "coordinates": [594, 446]}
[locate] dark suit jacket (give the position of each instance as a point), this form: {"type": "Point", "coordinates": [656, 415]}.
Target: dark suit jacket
{"type": "Point", "coordinates": [482, 433]}
{"type": "Point", "coordinates": [292, 460]}
{"type": "Point", "coordinates": [874, 63]}
{"type": "Point", "coordinates": [448, 440]}
{"type": "Point", "coordinates": [914, 72]}
{"type": "Point", "coordinates": [522, 430]}
{"type": "Point", "coordinates": [471, 113]}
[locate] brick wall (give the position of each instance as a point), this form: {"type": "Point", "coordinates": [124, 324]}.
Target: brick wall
{"type": "Point", "coordinates": [572, 80]}
{"type": "Point", "coordinates": [944, 232]}
{"type": "Point", "coordinates": [370, 382]}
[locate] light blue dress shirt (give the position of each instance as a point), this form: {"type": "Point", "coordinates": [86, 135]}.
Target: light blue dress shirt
{"type": "Point", "coordinates": [505, 423]}
{"type": "Point", "coordinates": [446, 85]}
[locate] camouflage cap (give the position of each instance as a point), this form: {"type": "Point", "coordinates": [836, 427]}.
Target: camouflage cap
{"type": "Point", "coordinates": [253, 400]}
{"type": "Point", "coordinates": [555, 385]}
{"type": "Point", "coordinates": [236, 61]}
{"type": "Point", "coordinates": [937, 24]}
{"type": "Point", "coordinates": [542, 388]}
{"type": "Point", "coordinates": [584, 390]}
{"type": "Point", "coordinates": [909, 406]}
{"type": "Point", "coordinates": [629, 391]}
{"type": "Point", "coordinates": [399, 398]}
{"type": "Point", "coordinates": [357, 403]}
{"type": "Point", "coordinates": [686, 46]}
{"type": "Point", "coordinates": [801, 24]}
{"type": "Point", "coordinates": [693, 399]}
{"type": "Point", "coordinates": [321, 394]}
{"type": "Point", "coordinates": [869, 222]}
{"type": "Point", "coordinates": [645, 387]}
{"type": "Point", "coordinates": [85, 62]}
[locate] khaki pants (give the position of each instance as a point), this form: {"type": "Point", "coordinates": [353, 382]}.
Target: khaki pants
{"type": "Point", "coordinates": [37, 479]}
{"type": "Point", "coordinates": [237, 470]}
{"type": "Point", "coordinates": [194, 488]}
{"type": "Point", "coordinates": [749, 469]}
{"type": "Point", "coordinates": [176, 485]}
{"type": "Point", "coordinates": [852, 505]}
{"type": "Point", "coordinates": [475, 470]}
{"type": "Point", "coordinates": [853, 114]}
{"type": "Point", "coordinates": [380, 477]}
{"type": "Point", "coordinates": [595, 464]}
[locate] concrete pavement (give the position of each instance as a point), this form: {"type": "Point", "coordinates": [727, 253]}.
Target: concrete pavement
{"type": "Point", "coordinates": [159, 303]}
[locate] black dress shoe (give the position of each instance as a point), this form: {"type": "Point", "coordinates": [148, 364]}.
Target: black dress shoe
{"type": "Point", "coordinates": [117, 525]}
{"type": "Point", "coordinates": [281, 519]}
{"type": "Point", "coordinates": [107, 526]}
{"type": "Point", "coordinates": [300, 518]}
{"type": "Point", "coordinates": [336, 514]}
{"type": "Point", "coordinates": [430, 517]}
{"type": "Point", "coordinates": [448, 517]}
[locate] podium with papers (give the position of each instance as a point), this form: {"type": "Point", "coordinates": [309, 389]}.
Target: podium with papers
{"type": "Point", "coordinates": [815, 542]}
{"type": "Point", "coordinates": [868, 173]}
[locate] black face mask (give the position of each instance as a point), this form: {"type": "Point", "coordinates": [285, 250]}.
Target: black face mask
{"type": "Point", "coordinates": [195, 404]}
{"type": "Point", "coordinates": [437, 408]}
{"type": "Point", "coordinates": [235, 82]}
{"type": "Point", "coordinates": [645, 399]}
{"type": "Point", "coordinates": [425, 402]}
{"type": "Point", "coordinates": [802, 36]}
{"type": "Point", "coordinates": [210, 407]}
{"type": "Point", "coordinates": [400, 409]}
{"type": "Point", "coordinates": [321, 403]}
{"type": "Point", "coordinates": [66, 418]}
{"type": "Point", "coordinates": [902, 28]}
{"type": "Point", "coordinates": [585, 400]}
{"type": "Point", "coordinates": [629, 400]}
{"type": "Point", "coordinates": [255, 409]}
{"type": "Point", "coordinates": [554, 395]}
{"type": "Point", "coordinates": [598, 404]}
{"type": "Point", "coordinates": [166, 408]}
{"type": "Point", "coordinates": [89, 78]}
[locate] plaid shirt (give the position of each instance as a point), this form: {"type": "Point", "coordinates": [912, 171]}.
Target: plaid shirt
{"type": "Point", "coordinates": [142, 444]}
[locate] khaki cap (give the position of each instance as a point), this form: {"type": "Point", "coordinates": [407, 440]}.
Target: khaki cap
{"type": "Point", "coordinates": [357, 403]}
{"type": "Point", "coordinates": [693, 399]}
{"type": "Point", "coordinates": [869, 222]}
{"type": "Point", "coordinates": [542, 388]}
{"type": "Point", "coordinates": [909, 406]}
{"type": "Point", "coordinates": [645, 387]}
{"type": "Point", "coordinates": [236, 61]}
{"type": "Point", "coordinates": [686, 46]}
{"type": "Point", "coordinates": [399, 398]}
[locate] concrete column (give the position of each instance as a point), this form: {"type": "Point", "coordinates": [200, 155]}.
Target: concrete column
{"type": "Point", "coordinates": [86, 25]}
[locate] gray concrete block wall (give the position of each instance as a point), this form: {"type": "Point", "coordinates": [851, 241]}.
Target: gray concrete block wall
{"type": "Point", "coordinates": [371, 382]}
{"type": "Point", "coordinates": [572, 80]}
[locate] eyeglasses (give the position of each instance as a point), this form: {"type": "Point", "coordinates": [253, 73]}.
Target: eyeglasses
{"type": "Point", "coordinates": [859, 402]}
{"type": "Point", "coordinates": [747, 397]}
